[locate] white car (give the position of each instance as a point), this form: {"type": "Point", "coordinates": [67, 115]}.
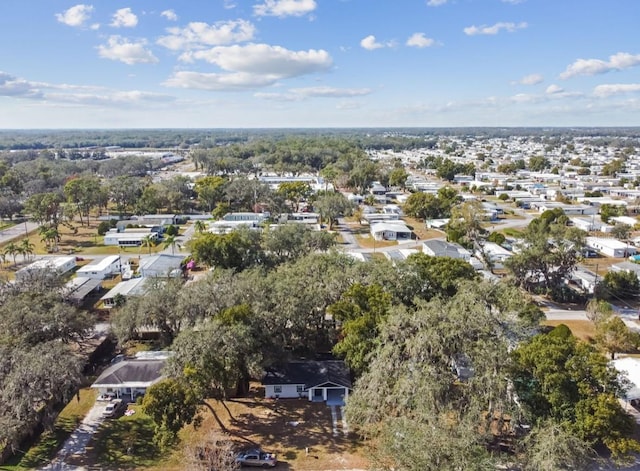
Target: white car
{"type": "Point", "coordinates": [113, 408]}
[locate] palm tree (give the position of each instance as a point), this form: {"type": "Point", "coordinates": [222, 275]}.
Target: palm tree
{"type": "Point", "coordinates": [147, 241]}
{"type": "Point", "coordinates": [199, 226]}
{"type": "Point", "coordinates": [27, 247]}
{"type": "Point", "coordinates": [11, 249]}
{"type": "Point", "coordinates": [171, 241]}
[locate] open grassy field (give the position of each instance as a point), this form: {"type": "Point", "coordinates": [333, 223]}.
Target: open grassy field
{"type": "Point", "coordinates": [584, 330]}
{"type": "Point", "coordinates": [47, 445]}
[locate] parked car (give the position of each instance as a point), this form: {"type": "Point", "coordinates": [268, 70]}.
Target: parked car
{"type": "Point", "coordinates": [257, 458]}
{"type": "Point", "coordinates": [113, 408]}
{"type": "Point", "coordinates": [106, 397]}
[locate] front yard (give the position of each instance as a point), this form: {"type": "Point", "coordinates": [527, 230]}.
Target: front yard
{"type": "Point", "coordinates": [298, 431]}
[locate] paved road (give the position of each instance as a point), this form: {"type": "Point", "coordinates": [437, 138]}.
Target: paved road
{"type": "Point", "coordinates": [76, 444]}
{"type": "Point", "coordinates": [17, 231]}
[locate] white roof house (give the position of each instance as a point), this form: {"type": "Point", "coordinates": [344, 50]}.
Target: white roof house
{"type": "Point", "coordinates": [610, 247]}
{"type": "Point", "coordinates": [128, 239]}
{"type": "Point", "coordinates": [57, 265]}
{"type": "Point", "coordinates": [629, 367]}
{"type": "Point", "coordinates": [396, 230]}
{"type": "Point", "coordinates": [132, 287]}
{"type": "Point", "coordinates": [101, 269]}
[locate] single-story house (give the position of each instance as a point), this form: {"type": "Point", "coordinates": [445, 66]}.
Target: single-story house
{"type": "Point", "coordinates": [626, 266]}
{"type": "Point", "coordinates": [610, 247]}
{"type": "Point", "coordinates": [131, 378]}
{"type": "Point", "coordinates": [101, 269]}
{"type": "Point", "coordinates": [590, 224]}
{"type": "Point", "coordinates": [79, 288]}
{"type": "Point", "coordinates": [629, 221]}
{"type": "Point", "coordinates": [129, 238]}
{"type": "Point", "coordinates": [395, 230]}
{"type": "Point", "coordinates": [585, 279]}
{"type": "Point", "coordinates": [156, 219]}
{"type": "Point", "coordinates": [246, 217]}
{"type": "Point", "coordinates": [629, 367]}
{"type": "Point", "coordinates": [132, 287]}
{"type": "Point", "coordinates": [398, 255]}
{"type": "Point", "coordinates": [225, 227]}
{"type": "Point", "coordinates": [302, 218]}
{"type": "Point", "coordinates": [495, 253]}
{"type": "Point", "coordinates": [441, 248]}
{"type": "Point", "coordinates": [53, 265]}
{"type": "Point", "coordinates": [161, 266]}
{"type": "Point", "coordinates": [326, 381]}
{"type": "Point", "coordinates": [372, 218]}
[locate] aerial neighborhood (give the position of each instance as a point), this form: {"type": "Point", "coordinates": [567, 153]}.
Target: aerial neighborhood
{"type": "Point", "coordinates": [387, 299]}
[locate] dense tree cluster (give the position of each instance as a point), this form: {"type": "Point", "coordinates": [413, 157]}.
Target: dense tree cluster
{"type": "Point", "coordinates": [38, 370]}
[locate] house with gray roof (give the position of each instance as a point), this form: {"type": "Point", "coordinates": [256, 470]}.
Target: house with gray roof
{"type": "Point", "coordinates": [161, 266]}
{"type": "Point", "coordinates": [131, 378]}
{"type": "Point", "coordinates": [326, 381]}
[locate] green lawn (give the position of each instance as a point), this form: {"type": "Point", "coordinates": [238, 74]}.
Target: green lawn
{"type": "Point", "coordinates": [47, 445]}
{"type": "Point", "coordinates": [123, 443]}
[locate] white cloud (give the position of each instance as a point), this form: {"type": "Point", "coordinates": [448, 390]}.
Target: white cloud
{"type": "Point", "coordinates": [264, 59]}
{"type": "Point", "coordinates": [229, 4]}
{"type": "Point", "coordinates": [553, 89]}
{"type": "Point", "coordinates": [609, 89]}
{"type": "Point", "coordinates": [436, 3]}
{"type": "Point", "coordinates": [494, 29]}
{"type": "Point", "coordinates": [11, 86]}
{"type": "Point", "coordinates": [249, 66]}
{"type": "Point", "coordinates": [124, 18]}
{"type": "Point", "coordinates": [170, 15]}
{"type": "Point", "coordinates": [76, 15]}
{"type": "Point", "coordinates": [531, 79]}
{"type": "Point", "coordinates": [619, 61]}
{"type": "Point", "coordinates": [513, 2]}
{"type": "Point", "coordinates": [282, 8]}
{"type": "Point", "coordinates": [419, 40]}
{"type": "Point", "coordinates": [369, 43]}
{"type": "Point", "coordinates": [121, 49]}
{"type": "Point", "coordinates": [330, 92]}
{"type": "Point", "coordinates": [299, 94]}
{"type": "Point", "coordinates": [197, 35]}
{"type": "Point", "coordinates": [213, 81]}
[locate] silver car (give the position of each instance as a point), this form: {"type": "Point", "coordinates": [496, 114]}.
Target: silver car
{"type": "Point", "coordinates": [257, 458]}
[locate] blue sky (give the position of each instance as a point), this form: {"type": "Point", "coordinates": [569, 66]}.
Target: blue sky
{"type": "Point", "coordinates": [319, 63]}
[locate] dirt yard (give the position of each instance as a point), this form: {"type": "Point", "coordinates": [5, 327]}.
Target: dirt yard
{"type": "Point", "coordinates": [298, 431]}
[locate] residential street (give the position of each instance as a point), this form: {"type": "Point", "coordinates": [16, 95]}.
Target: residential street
{"type": "Point", "coordinates": [17, 231]}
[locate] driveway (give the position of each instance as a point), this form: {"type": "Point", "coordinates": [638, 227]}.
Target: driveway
{"type": "Point", "coordinates": [77, 442]}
